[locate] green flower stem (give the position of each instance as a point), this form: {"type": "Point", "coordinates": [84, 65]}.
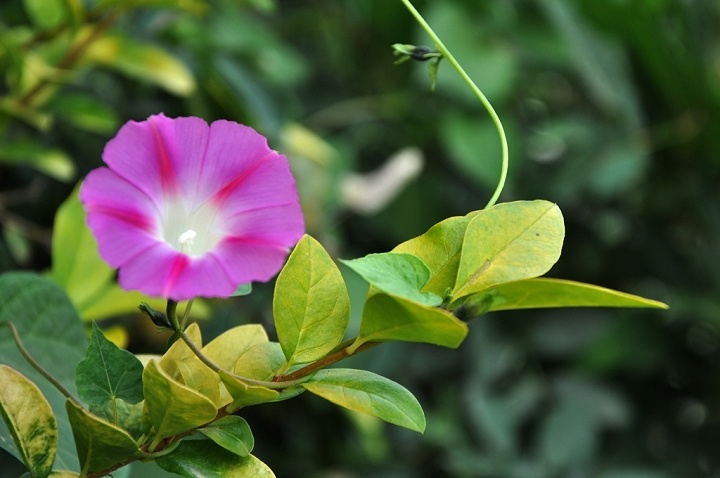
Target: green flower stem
{"type": "Point", "coordinates": [249, 381]}
{"type": "Point", "coordinates": [36, 365]}
{"type": "Point", "coordinates": [498, 124]}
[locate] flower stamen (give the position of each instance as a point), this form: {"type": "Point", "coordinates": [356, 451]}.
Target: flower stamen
{"type": "Point", "coordinates": [187, 240]}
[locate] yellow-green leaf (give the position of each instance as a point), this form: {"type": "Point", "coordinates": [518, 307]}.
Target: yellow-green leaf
{"type": "Point", "coordinates": [245, 395]}
{"type": "Point", "coordinates": [439, 248]}
{"type": "Point", "coordinates": [390, 318]}
{"type": "Point", "coordinates": [542, 292]}
{"type": "Point", "coordinates": [509, 242]}
{"type": "Point", "coordinates": [225, 349]}
{"type": "Point", "coordinates": [142, 61]}
{"type": "Point", "coordinates": [30, 419]}
{"type": "Point", "coordinates": [261, 361]}
{"type": "Point", "coordinates": [369, 393]}
{"type": "Point", "coordinates": [311, 305]}
{"type": "Point", "coordinates": [173, 407]}
{"type": "Point", "coordinates": [99, 444]}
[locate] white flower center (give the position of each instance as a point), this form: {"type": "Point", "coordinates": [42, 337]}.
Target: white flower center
{"type": "Point", "coordinates": [192, 231]}
{"type": "Point", "coordinates": [186, 240]}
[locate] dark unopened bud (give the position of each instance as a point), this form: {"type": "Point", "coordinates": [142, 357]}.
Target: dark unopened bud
{"type": "Point", "coordinates": [158, 318]}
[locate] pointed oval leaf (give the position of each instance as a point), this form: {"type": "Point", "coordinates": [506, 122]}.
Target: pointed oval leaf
{"type": "Point", "coordinates": [369, 393]}
{"type": "Point", "coordinates": [509, 242]}
{"type": "Point", "coordinates": [396, 273]}
{"type": "Point", "coordinates": [542, 292]}
{"type": "Point", "coordinates": [311, 305]}
{"type": "Point", "coordinates": [261, 361]}
{"type": "Point", "coordinates": [100, 445]}
{"type": "Point", "coordinates": [386, 318]}
{"type": "Point", "coordinates": [439, 248]}
{"type": "Point", "coordinates": [232, 433]}
{"type": "Point", "coordinates": [225, 349]}
{"type": "Point", "coordinates": [205, 459]}
{"type": "Point", "coordinates": [142, 61]}
{"type": "Point", "coordinates": [53, 334]}
{"type": "Point", "coordinates": [179, 351]}
{"type": "Point", "coordinates": [108, 372]}
{"type": "Point", "coordinates": [245, 395]}
{"type": "Point", "coordinates": [173, 407]}
{"type": "Point", "coordinates": [30, 420]}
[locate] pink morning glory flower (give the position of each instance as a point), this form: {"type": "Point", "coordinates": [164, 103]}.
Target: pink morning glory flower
{"type": "Point", "coordinates": [185, 209]}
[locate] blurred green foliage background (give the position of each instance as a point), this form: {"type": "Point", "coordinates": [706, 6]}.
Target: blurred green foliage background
{"type": "Point", "coordinates": [612, 110]}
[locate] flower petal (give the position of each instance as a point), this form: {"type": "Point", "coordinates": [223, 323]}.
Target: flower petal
{"type": "Point", "coordinates": [232, 151]}
{"type": "Point", "coordinates": [118, 213]}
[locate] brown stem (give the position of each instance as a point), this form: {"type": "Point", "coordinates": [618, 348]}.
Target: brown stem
{"type": "Point", "coordinates": [323, 362]}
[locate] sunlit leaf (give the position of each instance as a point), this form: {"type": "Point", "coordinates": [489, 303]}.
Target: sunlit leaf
{"type": "Point", "coordinates": [142, 61]}
{"type": "Point", "coordinates": [99, 444]}
{"type": "Point", "coordinates": [369, 393]}
{"type": "Point", "coordinates": [53, 334]}
{"type": "Point", "coordinates": [261, 361]}
{"type": "Point", "coordinates": [311, 305]}
{"type": "Point", "coordinates": [245, 395]}
{"type": "Point", "coordinates": [509, 242]}
{"type": "Point", "coordinates": [206, 459]}
{"type": "Point", "coordinates": [542, 292]}
{"type": "Point", "coordinates": [225, 349]}
{"type": "Point", "coordinates": [232, 433]}
{"type": "Point", "coordinates": [30, 420]}
{"type": "Point", "coordinates": [173, 407]}
{"type": "Point", "coordinates": [389, 318]}
{"type": "Point", "coordinates": [439, 248]}
{"type": "Point", "coordinates": [396, 273]}
{"type": "Point", "coordinates": [108, 373]}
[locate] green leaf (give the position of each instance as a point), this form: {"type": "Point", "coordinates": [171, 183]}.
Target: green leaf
{"type": "Point", "coordinates": [396, 273]}
{"type": "Point", "coordinates": [261, 361]}
{"type": "Point", "coordinates": [30, 420]}
{"type": "Point", "coordinates": [99, 444]}
{"type": "Point", "coordinates": [542, 292]}
{"type": "Point", "coordinates": [509, 242]}
{"type": "Point", "coordinates": [190, 6]}
{"type": "Point", "coordinates": [439, 248]}
{"type": "Point", "coordinates": [55, 163]}
{"type": "Point", "coordinates": [53, 334]}
{"type": "Point", "coordinates": [180, 363]}
{"type": "Point", "coordinates": [225, 349]}
{"type": "Point", "coordinates": [232, 433]}
{"type": "Point", "coordinates": [86, 113]}
{"type": "Point", "coordinates": [369, 393]}
{"type": "Point", "coordinates": [173, 407]}
{"type": "Point", "coordinates": [245, 395]}
{"type": "Point", "coordinates": [141, 61]}
{"type": "Point", "coordinates": [311, 305]}
{"type": "Point", "coordinates": [386, 318]}
{"type": "Point", "coordinates": [205, 459]}
{"type": "Point", "coordinates": [127, 416]}
{"type": "Point", "coordinates": [243, 289]}
{"type": "Point", "coordinates": [108, 373]}
{"type": "Point", "coordinates": [46, 14]}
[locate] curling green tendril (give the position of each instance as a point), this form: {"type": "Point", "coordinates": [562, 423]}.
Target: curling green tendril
{"type": "Point", "coordinates": [498, 125]}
